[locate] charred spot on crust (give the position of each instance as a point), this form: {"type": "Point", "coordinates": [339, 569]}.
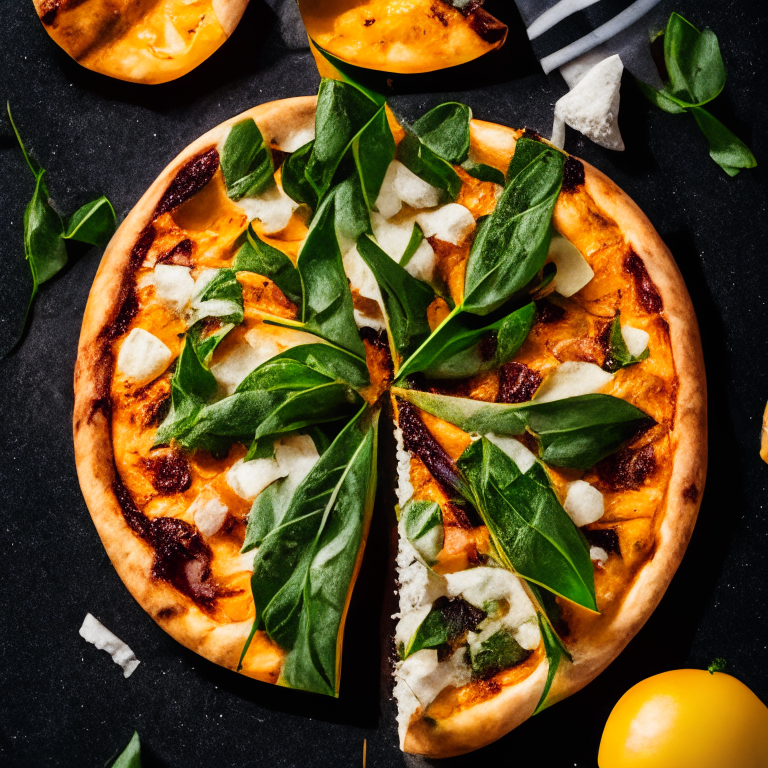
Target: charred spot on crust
{"type": "Point", "coordinates": [573, 174]}
{"type": "Point", "coordinates": [529, 133]}
{"type": "Point", "coordinates": [137, 521]}
{"type": "Point", "coordinates": [189, 181]}
{"type": "Point", "coordinates": [166, 613]}
{"type": "Point", "coordinates": [488, 28]}
{"type": "Point", "coordinates": [548, 313]}
{"type": "Point", "coordinates": [128, 310]}
{"type": "Point", "coordinates": [418, 440]}
{"type": "Point", "coordinates": [48, 11]}
{"type": "Point", "coordinates": [647, 294]}
{"type": "Point", "coordinates": [627, 470]}
{"type": "Point", "coordinates": [180, 254]}
{"type": "Point", "coordinates": [183, 559]}
{"type": "Point", "coordinates": [517, 383]}
{"type": "Point", "coordinates": [691, 493]}
{"type": "Point", "coordinates": [170, 473]}
{"type": "Point", "coordinates": [369, 22]}
{"type": "Point", "coordinates": [605, 538]}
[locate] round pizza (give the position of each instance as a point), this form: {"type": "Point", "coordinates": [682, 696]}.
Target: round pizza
{"type": "Point", "coordinates": [143, 41]}
{"type": "Point", "coordinates": [316, 270]}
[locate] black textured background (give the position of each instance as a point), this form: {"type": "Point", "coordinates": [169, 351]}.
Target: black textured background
{"type": "Point", "coordinates": [62, 702]}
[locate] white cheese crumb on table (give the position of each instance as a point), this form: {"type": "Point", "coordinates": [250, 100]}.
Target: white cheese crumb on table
{"type": "Point", "coordinates": [94, 632]}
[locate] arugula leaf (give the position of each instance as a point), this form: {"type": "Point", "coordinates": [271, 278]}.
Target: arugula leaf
{"type": "Point", "coordinates": [694, 63]}
{"type": "Point", "coordinates": [618, 355]}
{"type": "Point", "coordinates": [421, 160]}
{"type": "Point", "coordinates": [93, 224]}
{"type": "Point", "coordinates": [300, 600]}
{"type": "Point", "coordinates": [327, 300]}
{"type": "Point", "coordinates": [405, 299]}
{"type": "Point", "coordinates": [726, 149]}
{"type": "Point", "coordinates": [512, 243]}
{"type": "Point", "coordinates": [445, 626]}
{"type": "Point", "coordinates": [483, 172]}
{"type": "Point", "coordinates": [254, 255]}
{"type": "Point", "coordinates": [499, 652]}
{"type": "Point", "coordinates": [575, 432]}
{"type": "Point", "coordinates": [457, 349]}
{"type": "Point", "coordinates": [445, 130]}
{"type": "Point", "coordinates": [343, 112]}
{"type": "Point", "coordinates": [295, 182]}
{"type": "Point", "coordinates": [246, 161]}
{"type": "Point", "coordinates": [374, 149]}
{"type": "Point", "coordinates": [532, 533]}
{"type": "Point", "coordinates": [130, 757]}
{"type": "Point", "coordinates": [417, 236]}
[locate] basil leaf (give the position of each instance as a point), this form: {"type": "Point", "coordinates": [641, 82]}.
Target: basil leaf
{"type": "Point", "coordinates": [499, 652]}
{"type": "Point", "coordinates": [221, 297]}
{"type": "Point", "coordinates": [350, 74]}
{"type": "Point", "coordinates": [417, 237]}
{"type": "Point", "coordinates": [130, 757]}
{"type": "Point", "coordinates": [618, 355]}
{"type": "Point", "coordinates": [445, 626]}
{"type": "Point", "coordinates": [254, 255]}
{"type": "Point", "coordinates": [457, 349]}
{"type": "Point", "coordinates": [726, 149]}
{"type": "Point", "coordinates": [445, 130]}
{"type": "Point", "coordinates": [512, 243]}
{"type": "Point", "coordinates": [531, 531]}
{"type": "Point", "coordinates": [93, 224]}
{"type": "Point", "coordinates": [207, 347]}
{"type": "Point", "coordinates": [427, 165]}
{"type": "Point", "coordinates": [293, 177]}
{"type": "Point", "coordinates": [342, 113]}
{"type": "Point", "coordinates": [327, 299]}
{"type": "Point", "coordinates": [420, 517]}
{"type": "Point", "coordinates": [301, 601]}
{"type": "Point", "coordinates": [246, 161]}
{"type": "Point", "coordinates": [333, 362]}
{"type": "Point", "coordinates": [483, 172]}
{"type": "Point", "coordinates": [662, 99]}
{"type": "Point", "coordinates": [374, 149]}
{"type": "Point", "coordinates": [405, 299]}
{"type": "Point", "coordinates": [351, 218]}
{"type": "Point", "coordinates": [43, 236]}
{"type": "Point", "coordinates": [695, 66]}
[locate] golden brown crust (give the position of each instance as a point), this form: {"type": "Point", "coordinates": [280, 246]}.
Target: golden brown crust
{"type": "Point", "coordinates": [229, 13]}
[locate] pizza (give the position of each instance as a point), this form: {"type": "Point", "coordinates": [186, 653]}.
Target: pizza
{"type": "Point", "coordinates": [314, 271]}
{"type": "Point", "coordinates": [149, 41]}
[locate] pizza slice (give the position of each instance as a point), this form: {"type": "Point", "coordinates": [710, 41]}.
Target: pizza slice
{"type": "Point", "coordinates": [312, 263]}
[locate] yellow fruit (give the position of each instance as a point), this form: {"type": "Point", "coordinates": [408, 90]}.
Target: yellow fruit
{"type": "Point", "coordinates": [689, 718]}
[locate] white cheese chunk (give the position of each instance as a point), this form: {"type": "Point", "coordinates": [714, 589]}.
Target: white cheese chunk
{"type": "Point", "coordinates": [97, 634]}
{"type": "Point", "coordinates": [392, 237]}
{"type": "Point", "coordinates": [272, 208]}
{"type": "Point", "coordinates": [249, 478]}
{"type": "Point", "coordinates": [143, 357]}
{"type": "Point", "coordinates": [388, 203]}
{"type": "Point", "coordinates": [636, 340]}
{"type": "Point", "coordinates": [573, 272]}
{"type": "Point", "coordinates": [583, 503]}
{"type": "Point", "coordinates": [599, 555]}
{"type": "Point", "coordinates": [174, 285]}
{"type": "Point", "coordinates": [452, 223]}
{"type": "Point", "coordinates": [291, 135]}
{"type": "Point", "coordinates": [233, 366]}
{"type": "Point", "coordinates": [404, 486]}
{"type": "Point", "coordinates": [296, 455]}
{"type": "Point", "coordinates": [413, 190]}
{"type": "Point", "coordinates": [516, 451]}
{"type": "Point", "coordinates": [361, 278]}
{"type": "Point", "coordinates": [209, 512]}
{"type": "Point", "coordinates": [572, 379]}
{"type": "Point", "coordinates": [592, 107]}
{"type": "Point", "coordinates": [528, 635]}
{"type": "Point", "coordinates": [422, 264]}
{"type": "Point", "coordinates": [430, 544]}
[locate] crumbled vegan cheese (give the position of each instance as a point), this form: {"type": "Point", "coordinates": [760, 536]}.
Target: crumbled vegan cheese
{"type": "Point", "coordinates": [404, 487]}
{"type": "Point", "coordinates": [362, 280]}
{"type": "Point", "coordinates": [388, 203]}
{"type": "Point", "coordinates": [143, 357]}
{"type": "Point", "coordinates": [174, 285]}
{"type": "Point", "coordinates": [572, 379]}
{"type": "Point", "coordinates": [403, 186]}
{"type": "Point", "coordinates": [573, 272]}
{"type": "Point", "coordinates": [296, 455]}
{"type": "Point", "coordinates": [583, 503]}
{"type": "Point", "coordinates": [249, 478]}
{"type": "Point", "coordinates": [452, 223]}
{"type": "Point", "coordinates": [232, 367]}
{"type": "Point", "coordinates": [599, 555]}
{"type": "Point", "coordinates": [209, 512]}
{"type": "Point", "coordinates": [636, 340]}
{"type": "Point", "coordinates": [97, 634]}
{"type": "Point", "coordinates": [516, 451]}
{"type": "Point", "coordinates": [272, 208]}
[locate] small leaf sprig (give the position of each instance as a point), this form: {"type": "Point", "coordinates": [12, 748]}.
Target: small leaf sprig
{"type": "Point", "coordinates": [130, 757]}
{"type": "Point", "coordinates": [46, 235]}
{"type": "Point", "coordinates": [697, 76]}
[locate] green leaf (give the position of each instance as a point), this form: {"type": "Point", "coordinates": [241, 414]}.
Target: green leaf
{"type": "Point", "coordinates": [532, 533]}
{"type": "Point", "coordinates": [246, 161]}
{"type": "Point", "coordinates": [483, 172]}
{"type": "Point", "coordinates": [695, 66]}
{"type": "Point", "coordinates": [445, 626]}
{"type": "Point", "coordinates": [222, 297]}
{"type": "Point", "coordinates": [423, 522]}
{"type": "Point", "coordinates": [374, 149]}
{"type": "Point", "coordinates": [94, 223]}
{"type": "Point", "coordinates": [295, 182]}
{"type": "Point", "coordinates": [43, 236]}
{"type": "Point", "coordinates": [575, 432]}
{"type": "Point", "coordinates": [726, 149]}
{"type": "Point", "coordinates": [662, 99]}
{"type": "Point", "coordinates": [618, 355]}
{"type": "Point", "coordinates": [304, 569]}
{"type": "Point", "coordinates": [445, 130]}
{"type": "Point", "coordinates": [130, 757]}
{"type": "Point", "coordinates": [458, 349]}
{"type": "Point", "coordinates": [405, 299]}
{"type": "Point", "coordinates": [327, 306]}
{"type": "Point", "coordinates": [428, 166]}
{"type": "Point", "coordinates": [351, 75]}
{"type": "Point", "coordinates": [512, 243]}
{"type": "Point", "coordinates": [333, 362]}
{"type": "Point", "coordinates": [417, 236]}
{"type": "Point", "coordinates": [499, 652]}
{"type": "Point", "coordinates": [254, 255]}
{"type": "Point", "coordinates": [351, 218]}
{"type": "Point", "coordinates": [343, 112]}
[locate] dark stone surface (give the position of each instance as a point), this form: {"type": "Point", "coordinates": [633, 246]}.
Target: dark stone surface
{"type": "Point", "coordinates": [63, 703]}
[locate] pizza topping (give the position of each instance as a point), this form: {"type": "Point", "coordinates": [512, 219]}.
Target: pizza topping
{"type": "Point", "coordinates": [604, 538]}
{"type": "Point", "coordinates": [208, 512]}
{"type": "Point", "coordinates": [517, 383]}
{"type": "Point", "coordinates": [627, 470]}
{"type": "Point", "coordinates": [143, 357]}
{"type": "Point", "coordinates": [583, 503]}
{"type": "Point", "coordinates": [249, 478]}
{"type": "Point", "coordinates": [94, 632]}
{"type": "Point", "coordinates": [170, 473]}
{"type": "Point", "coordinates": [645, 291]}
{"type": "Point", "coordinates": [180, 254]}
{"type": "Point", "coordinates": [445, 627]}
{"type": "Point", "coordinates": [523, 458]}
{"type": "Point", "coordinates": [572, 379]}
{"type": "Point", "coordinates": [598, 555]}
{"type": "Point", "coordinates": [272, 208]}
{"type": "Point", "coordinates": [573, 272]}
{"type": "Point", "coordinates": [636, 340]}
{"type": "Point", "coordinates": [189, 181]}
{"type": "Point", "coordinates": [423, 522]}
{"type": "Point", "coordinates": [451, 223]}
{"type": "Point", "coordinates": [623, 345]}
{"type": "Point", "coordinates": [409, 189]}
{"type": "Point", "coordinates": [174, 285]}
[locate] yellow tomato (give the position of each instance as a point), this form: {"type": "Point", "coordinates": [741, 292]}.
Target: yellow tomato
{"type": "Point", "coordinates": [689, 718]}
